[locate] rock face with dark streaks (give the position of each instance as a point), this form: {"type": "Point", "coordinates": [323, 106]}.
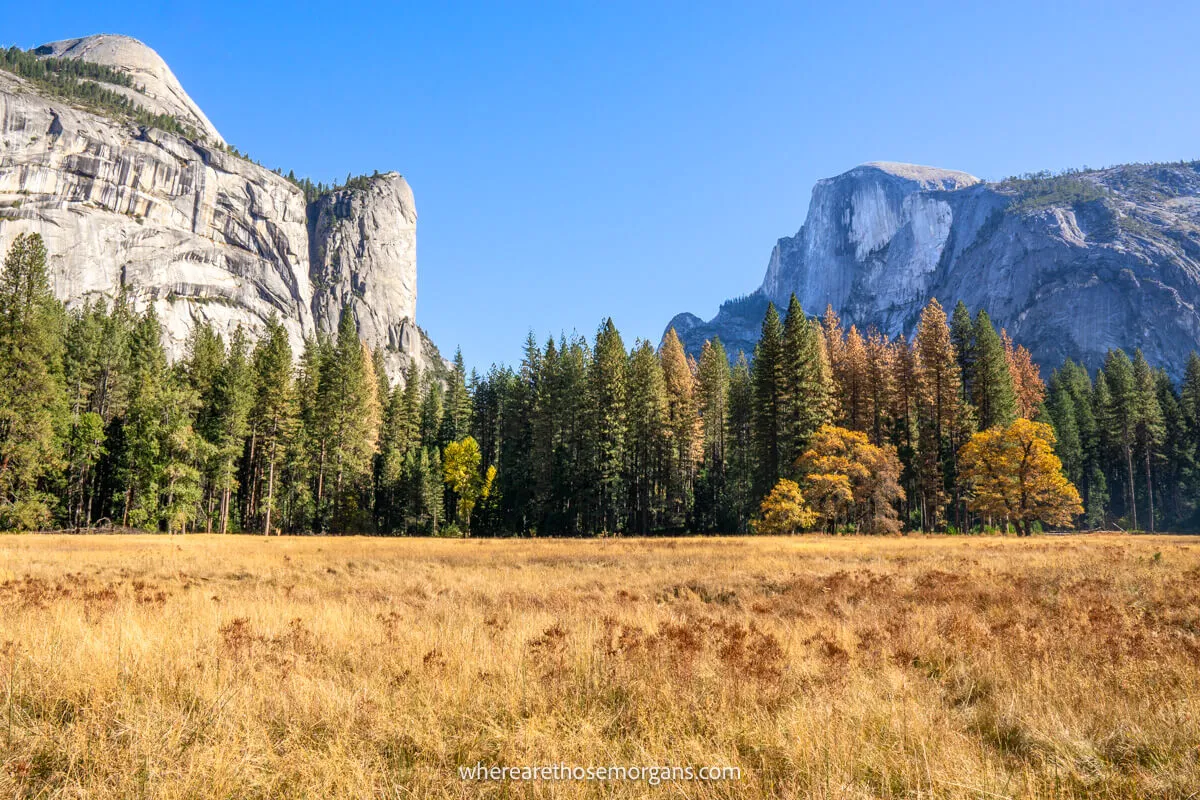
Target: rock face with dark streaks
{"type": "Point", "coordinates": [363, 256]}
{"type": "Point", "coordinates": [1071, 265]}
{"type": "Point", "coordinates": [202, 235]}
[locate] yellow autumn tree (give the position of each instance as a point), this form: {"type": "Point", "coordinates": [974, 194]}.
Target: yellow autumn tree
{"type": "Point", "coordinates": [460, 464]}
{"type": "Point", "coordinates": [849, 479]}
{"type": "Point", "coordinates": [784, 511]}
{"type": "Point", "coordinates": [1013, 474]}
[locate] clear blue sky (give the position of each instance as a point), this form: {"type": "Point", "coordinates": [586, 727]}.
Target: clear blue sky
{"type": "Point", "coordinates": [637, 159]}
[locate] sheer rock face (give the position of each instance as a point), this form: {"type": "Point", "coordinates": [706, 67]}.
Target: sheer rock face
{"type": "Point", "coordinates": [161, 92]}
{"type": "Point", "coordinates": [201, 235]}
{"type": "Point", "coordinates": [363, 256]}
{"type": "Point", "coordinates": [1118, 267]}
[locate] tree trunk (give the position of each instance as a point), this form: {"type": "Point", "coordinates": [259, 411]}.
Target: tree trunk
{"type": "Point", "coordinates": [1149, 489]}
{"type": "Point", "coordinates": [270, 495]}
{"type": "Point", "coordinates": [1132, 496]}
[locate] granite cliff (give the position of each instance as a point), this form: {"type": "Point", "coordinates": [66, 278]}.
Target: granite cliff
{"type": "Point", "coordinates": [179, 222]}
{"type": "Point", "coordinates": [1072, 265]}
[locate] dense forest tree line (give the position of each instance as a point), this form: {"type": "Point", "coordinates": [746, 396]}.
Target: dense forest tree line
{"type": "Point", "coordinates": [821, 428]}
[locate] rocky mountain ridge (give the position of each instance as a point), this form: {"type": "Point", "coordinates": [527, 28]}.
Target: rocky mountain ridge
{"type": "Point", "coordinates": [201, 234]}
{"type": "Point", "coordinates": [1072, 265]}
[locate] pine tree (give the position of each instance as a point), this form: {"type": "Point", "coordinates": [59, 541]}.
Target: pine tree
{"type": "Point", "coordinates": [991, 380]}
{"type": "Point", "coordinates": [940, 414]}
{"type": "Point", "coordinates": [233, 397]}
{"type": "Point", "coordinates": [607, 390]}
{"type": "Point", "coordinates": [1149, 426]}
{"type": "Point", "coordinates": [142, 426]}
{"type": "Point", "coordinates": [570, 414]}
{"type": "Point", "coordinates": [835, 344]}
{"type": "Point", "coordinates": [853, 394]}
{"type": "Point", "coordinates": [456, 415]}
{"type": "Point", "coordinates": [807, 396]}
{"type": "Point", "coordinates": [742, 452]}
{"type": "Point", "coordinates": [683, 429]}
{"type": "Point", "coordinates": [200, 369]}
{"type": "Point", "coordinates": [647, 440]}
{"type": "Point", "coordinates": [1119, 414]}
{"type": "Point", "coordinates": [33, 412]}
{"type": "Point", "coordinates": [1068, 445]}
{"type": "Point", "coordinates": [712, 394]}
{"type": "Point", "coordinates": [881, 387]}
{"type": "Point", "coordinates": [544, 433]}
{"type": "Point", "coordinates": [274, 414]}
{"type": "Point", "coordinates": [313, 432]}
{"type": "Point", "coordinates": [348, 411]}
{"type": "Point", "coordinates": [81, 347]}
{"type": "Point", "coordinates": [1077, 385]}
{"type": "Point", "coordinates": [522, 475]}
{"type": "Point", "coordinates": [963, 333]}
{"type": "Point", "coordinates": [1189, 406]}
{"type": "Point", "coordinates": [770, 402]}
{"type": "Point", "coordinates": [1175, 506]}
{"type": "Point", "coordinates": [1028, 387]}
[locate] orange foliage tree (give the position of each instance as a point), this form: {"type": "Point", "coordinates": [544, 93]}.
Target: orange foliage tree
{"type": "Point", "coordinates": [1014, 474]}
{"type": "Point", "coordinates": [848, 478]}
{"type": "Point", "coordinates": [1027, 380]}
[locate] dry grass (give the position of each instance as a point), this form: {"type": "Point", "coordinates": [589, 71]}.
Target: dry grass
{"type": "Point", "coordinates": [243, 667]}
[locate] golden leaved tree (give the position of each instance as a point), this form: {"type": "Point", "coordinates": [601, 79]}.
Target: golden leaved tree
{"type": "Point", "coordinates": [784, 511]}
{"type": "Point", "coordinates": [460, 464]}
{"type": "Point", "coordinates": [1013, 474]}
{"type": "Point", "coordinates": [848, 478]}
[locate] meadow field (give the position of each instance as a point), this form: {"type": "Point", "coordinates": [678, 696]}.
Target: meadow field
{"type": "Point", "coordinates": [239, 666]}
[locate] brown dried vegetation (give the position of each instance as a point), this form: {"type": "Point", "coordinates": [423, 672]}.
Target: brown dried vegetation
{"type": "Point", "coordinates": [884, 667]}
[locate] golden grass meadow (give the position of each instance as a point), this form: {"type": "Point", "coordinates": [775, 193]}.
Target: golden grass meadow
{"type": "Point", "coordinates": [238, 666]}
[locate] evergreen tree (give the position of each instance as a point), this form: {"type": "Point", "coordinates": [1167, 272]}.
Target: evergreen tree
{"type": "Point", "coordinates": [990, 378]}
{"type": "Point", "coordinates": [807, 396]}
{"type": "Point", "coordinates": [1189, 407]}
{"type": "Point", "coordinates": [854, 394]}
{"type": "Point", "coordinates": [142, 434]}
{"type": "Point", "coordinates": [521, 473]}
{"type": "Point", "coordinates": [1119, 414]}
{"type": "Point", "coordinates": [647, 440]}
{"type": "Point", "coordinates": [683, 429]}
{"type": "Point", "coordinates": [713, 379]}
{"type": "Point", "coordinates": [274, 414]}
{"type": "Point", "coordinates": [607, 390]}
{"type": "Point", "coordinates": [1149, 426]}
{"type": "Point", "coordinates": [904, 415]}
{"type": "Point", "coordinates": [770, 402]}
{"type": "Point", "coordinates": [1077, 385]}
{"type": "Point", "coordinates": [202, 364]}
{"type": "Point", "coordinates": [348, 410]}
{"type": "Point", "coordinates": [232, 399]}
{"type": "Point", "coordinates": [456, 414]}
{"type": "Point", "coordinates": [1175, 506]}
{"type": "Point", "coordinates": [33, 413]}
{"type": "Point", "coordinates": [1068, 445]}
{"type": "Point", "coordinates": [572, 416]}
{"type": "Point", "coordinates": [742, 452]}
{"type": "Point", "coordinates": [940, 414]}
{"type": "Point", "coordinates": [881, 387]}
{"type": "Point", "coordinates": [963, 335]}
